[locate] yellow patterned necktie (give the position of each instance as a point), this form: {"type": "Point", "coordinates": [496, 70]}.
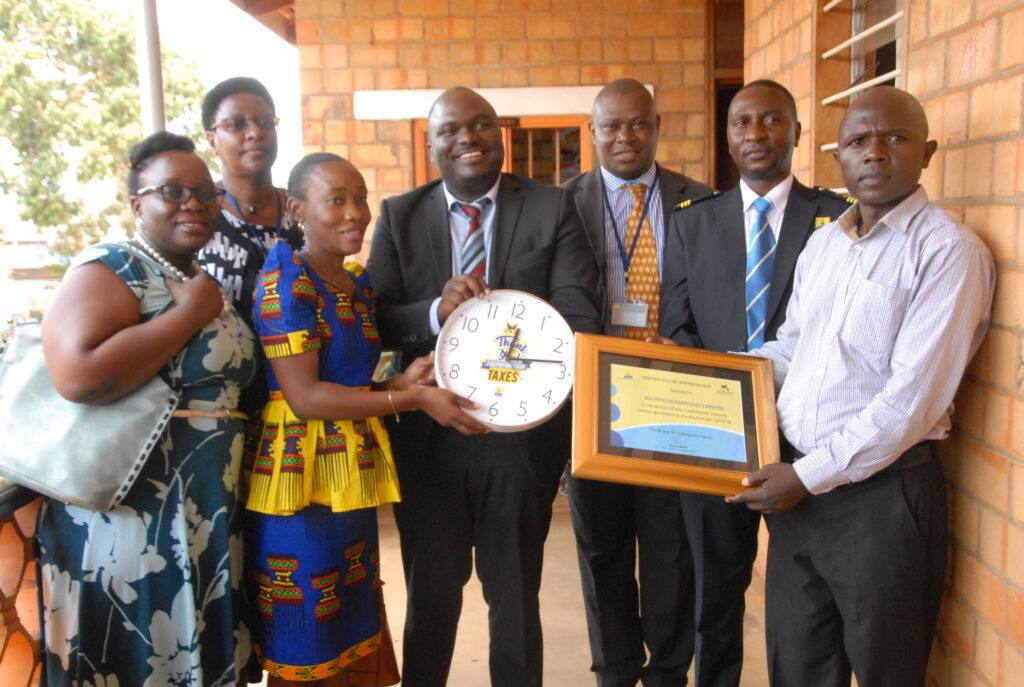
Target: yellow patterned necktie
{"type": "Point", "coordinates": [642, 276]}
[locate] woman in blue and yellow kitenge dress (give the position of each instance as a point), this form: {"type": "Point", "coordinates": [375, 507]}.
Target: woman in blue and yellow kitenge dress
{"type": "Point", "coordinates": [322, 461]}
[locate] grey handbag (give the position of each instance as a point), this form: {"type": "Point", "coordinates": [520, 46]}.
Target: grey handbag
{"type": "Point", "coordinates": [85, 455]}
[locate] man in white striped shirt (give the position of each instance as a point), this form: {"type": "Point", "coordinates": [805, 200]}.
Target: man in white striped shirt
{"type": "Point", "coordinates": [890, 303]}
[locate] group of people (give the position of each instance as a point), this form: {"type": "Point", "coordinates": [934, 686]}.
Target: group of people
{"type": "Point", "coordinates": [254, 543]}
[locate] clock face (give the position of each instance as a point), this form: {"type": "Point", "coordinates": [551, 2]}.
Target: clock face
{"type": "Point", "coordinates": [512, 354]}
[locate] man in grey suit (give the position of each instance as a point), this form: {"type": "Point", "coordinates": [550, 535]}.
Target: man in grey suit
{"type": "Point", "coordinates": [629, 608]}
{"type": "Point", "coordinates": [488, 494]}
{"type": "Point", "coordinates": [705, 304]}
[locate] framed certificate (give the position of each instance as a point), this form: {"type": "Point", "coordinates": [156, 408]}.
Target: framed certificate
{"type": "Point", "coordinates": [671, 417]}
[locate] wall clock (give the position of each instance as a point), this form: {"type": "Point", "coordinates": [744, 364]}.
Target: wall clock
{"type": "Point", "coordinates": [512, 354]}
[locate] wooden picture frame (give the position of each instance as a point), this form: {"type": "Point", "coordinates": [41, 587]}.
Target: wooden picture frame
{"type": "Point", "coordinates": [684, 418]}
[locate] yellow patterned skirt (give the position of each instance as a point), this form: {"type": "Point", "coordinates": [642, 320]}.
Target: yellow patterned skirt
{"type": "Point", "coordinates": [342, 464]}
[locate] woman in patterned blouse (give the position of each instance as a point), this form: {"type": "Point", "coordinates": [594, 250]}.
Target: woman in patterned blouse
{"type": "Point", "coordinates": [323, 461]}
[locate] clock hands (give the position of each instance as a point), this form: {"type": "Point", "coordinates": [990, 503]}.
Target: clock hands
{"type": "Point", "coordinates": [535, 360]}
{"type": "Point", "coordinates": [509, 352]}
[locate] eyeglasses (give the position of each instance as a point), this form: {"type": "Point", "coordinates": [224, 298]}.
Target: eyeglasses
{"type": "Point", "coordinates": [234, 125]}
{"type": "Point", "coordinates": [176, 194]}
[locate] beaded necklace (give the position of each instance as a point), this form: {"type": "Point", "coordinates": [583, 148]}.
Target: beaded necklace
{"type": "Point", "coordinates": [156, 255]}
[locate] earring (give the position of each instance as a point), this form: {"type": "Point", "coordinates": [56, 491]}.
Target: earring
{"type": "Point", "coordinates": [301, 224]}
{"type": "Point", "coordinates": [139, 224]}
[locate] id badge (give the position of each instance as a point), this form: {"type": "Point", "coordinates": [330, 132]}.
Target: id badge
{"type": "Point", "coordinates": [630, 313]}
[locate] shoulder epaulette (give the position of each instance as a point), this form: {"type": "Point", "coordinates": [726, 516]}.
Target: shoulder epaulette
{"type": "Point", "coordinates": [693, 201]}
{"type": "Point", "coordinates": [841, 196]}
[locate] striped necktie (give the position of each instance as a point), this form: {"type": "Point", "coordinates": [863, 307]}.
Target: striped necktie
{"type": "Point", "coordinates": [474, 259]}
{"type": "Point", "coordinates": [760, 259]}
{"type": "Point", "coordinates": [642, 276]}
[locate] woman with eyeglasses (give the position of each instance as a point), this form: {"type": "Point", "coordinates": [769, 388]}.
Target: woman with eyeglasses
{"type": "Point", "coordinates": [241, 127]}
{"type": "Point", "coordinates": [149, 593]}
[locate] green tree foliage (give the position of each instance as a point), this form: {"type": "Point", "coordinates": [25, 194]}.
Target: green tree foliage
{"type": "Point", "coordinates": [69, 111]}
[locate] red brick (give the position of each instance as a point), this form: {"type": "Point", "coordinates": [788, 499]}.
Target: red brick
{"type": "Point", "coordinates": [1011, 52]}
{"type": "Point", "coordinates": [566, 52]}
{"type": "Point", "coordinates": [393, 179]}
{"type": "Point", "coordinates": [964, 521]}
{"type": "Point", "coordinates": [312, 81]}
{"type": "Point", "coordinates": [985, 475]}
{"type": "Point", "coordinates": [514, 52]}
{"type": "Point", "coordinates": [307, 31]}
{"type": "Point", "coordinates": [980, 588]}
{"type": "Point", "coordinates": [1008, 306]}
{"type": "Point", "coordinates": [563, 26]}
{"type": "Point", "coordinates": [373, 155]}
{"type": "Point", "coordinates": [335, 55]}
{"type": "Point", "coordinates": [992, 542]}
{"type": "Point", "coordinates": [310, 56]}
{"type": "Point", "coordinates": [956, 625]}
{"type": "Point", "coordinates": [538, 52]}
{"type": "Point", "coordinates": [988, 649]}
{"type": "Point", "coordinates": [312, 132]}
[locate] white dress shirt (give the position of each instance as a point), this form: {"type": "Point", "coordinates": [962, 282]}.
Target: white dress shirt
{"type": "Point", "coordinates": [778, 197]}
{"type": "Point", "coordinates": [877, 336]}
{"type": "Point", "coordinates": [458, 223]}
{"type": "Point", "coordinates": [621, 201]}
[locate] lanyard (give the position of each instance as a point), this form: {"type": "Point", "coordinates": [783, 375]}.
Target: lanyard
{"type": "Point", "coordinates": [249, 226]}
{"type": "Point", "coordinates": [627, 258]}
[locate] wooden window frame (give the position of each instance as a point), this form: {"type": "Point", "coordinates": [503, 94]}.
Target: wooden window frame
{"type": "Point", "coordinates": [421, 162]}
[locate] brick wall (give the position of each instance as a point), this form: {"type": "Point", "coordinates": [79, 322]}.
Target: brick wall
{"type": "Point", "coordinates": [395, 44]}
{"type": "Point", "coordinates": [965, 61]}
{"type": "Point", "coordinates": [777, 45]}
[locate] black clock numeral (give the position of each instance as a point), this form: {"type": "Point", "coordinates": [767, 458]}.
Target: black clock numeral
{"type": "Point", "coordinates": [453, 342]}
{"type": "Point", "coordinates": [518, 309]}
{"type": "Point", "coordinates": [493, 410]}
{"type": "Point", "coordinates": [562, 371]}
{"type": "Point", "coordinates": [453, 371]}
{"type": "Point", "coordinates": [492, 311]}
{"type": "Point", "coordinates": [547, 395]}
{"type": "Point", "coordinates": [470, 324]}
{"type": "Point", "coordinates": [471, 392]}
{"type": "Point", "coordinates": [522, 409]}
{"type": "Point", "coordinates": [558, 347]}
{"type": "Point", "coordinates": [545, 319]}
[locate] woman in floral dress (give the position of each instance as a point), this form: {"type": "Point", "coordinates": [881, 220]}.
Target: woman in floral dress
{"type": "Point", "coordinates": [149, 593]}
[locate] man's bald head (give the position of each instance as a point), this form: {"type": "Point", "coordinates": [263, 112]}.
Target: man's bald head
{"type": "Point", "coordinates": [883, 146]}
{"type": "Point", "coordinates": [464, 141]}
{"type": "Point", "coordinates": [892, 100]}
{"type": "Point", "coordinates": [624, 125]}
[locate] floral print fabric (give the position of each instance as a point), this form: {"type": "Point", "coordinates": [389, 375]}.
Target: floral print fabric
{"type": "Point", "coordinates": [149, 594]}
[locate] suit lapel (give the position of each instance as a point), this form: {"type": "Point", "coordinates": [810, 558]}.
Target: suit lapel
{"type": "Point", "coordinates": [732, 260]}
{"type": "Point", "coordinates": [439, 237]}
{"type": "Point", "coordinates": [591, 208]}
{"type": "Point", "coordinates": [510, 205]}
{"type": "Point", "coordinates": [672, 193]}
{"type": "Point", "coordinates": [797, 223]}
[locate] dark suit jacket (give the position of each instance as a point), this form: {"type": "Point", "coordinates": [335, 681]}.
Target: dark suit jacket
{"type": "Point", "coordinates": [703, 295]}
{"type": "Point", "coordinates": [537, 246]}
{"type": "Point", "coordinates": [587, 192]}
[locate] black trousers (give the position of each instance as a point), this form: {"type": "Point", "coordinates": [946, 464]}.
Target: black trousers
{"type": "Point", "coordinates": [472, 494]}
{"type": "Point", "coordinates": [629, 609]}
{"type": "Point", "coordinates": [723, 541]}
{"type": "Point", "coordinates": [855, 581]}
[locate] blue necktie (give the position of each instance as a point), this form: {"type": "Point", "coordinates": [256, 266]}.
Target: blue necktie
{"type": "Point", "coordinates": [760, 258]}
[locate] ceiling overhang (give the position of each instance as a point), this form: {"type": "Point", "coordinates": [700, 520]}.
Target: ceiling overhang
{"type": "Point", "coordinates": [276, 15]}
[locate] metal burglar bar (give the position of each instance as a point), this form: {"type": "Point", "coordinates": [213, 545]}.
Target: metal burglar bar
{"type": "Point", "coordinates": [19, 634]}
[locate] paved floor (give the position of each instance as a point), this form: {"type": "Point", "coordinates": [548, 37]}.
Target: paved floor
{"type": "Point", "coordinates": [566, 654]}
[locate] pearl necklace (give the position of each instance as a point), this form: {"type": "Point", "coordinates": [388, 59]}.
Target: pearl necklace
{"type": "Point", "coordinates": [152, 252]}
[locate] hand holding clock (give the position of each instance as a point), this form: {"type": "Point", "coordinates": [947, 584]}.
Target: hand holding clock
{"type": "Point", "coordinates": [442, 405]}
{"type": "Point", "coordinates": [457, 290]}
